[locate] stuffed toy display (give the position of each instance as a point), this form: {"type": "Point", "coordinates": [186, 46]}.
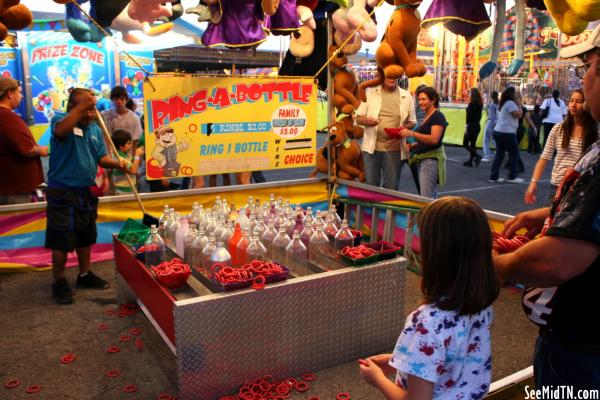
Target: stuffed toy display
{"type": "Point", "coordinates": [347, 158]}
{"type": "Point", "coordinates": [489, 67]}
{"type": "Point", "coordinates": [465, 18]}
{"type": "Point", "coordinates": [572, 16]}
{"type": "Point", "coordinates": [344, 33]}
{"type": "Point", "coordinates": [302, 41]}
{"type": "Point", "coordinates": [345, 87]}
{"type": "Point", "coordinates": [397, 53]}
{"type": "Point", "coordinates": [515, 64]}
{"type": "Point", "coordinates": [354, 131]}
{"type": "Point", "coordinates": [356, 15]}
{"type": "Point", "coordinates": [13, 16]}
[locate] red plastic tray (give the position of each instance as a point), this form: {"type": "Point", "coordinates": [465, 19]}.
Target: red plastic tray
{"type": "Point", "coordinates": [385, 250]}
{"type": "Point", "coordinates": [393, 132]}
{"type": "Point", "coordinates": [228, 287]}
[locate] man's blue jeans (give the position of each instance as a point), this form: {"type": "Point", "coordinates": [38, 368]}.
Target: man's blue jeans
{"type": "Point", "coordinates": [555, 364]}
{"type": "Point", "coordinates": [386, 163]}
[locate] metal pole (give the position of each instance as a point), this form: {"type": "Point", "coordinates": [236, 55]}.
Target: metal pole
{"type": "Point", "coordinates": [556, 64]}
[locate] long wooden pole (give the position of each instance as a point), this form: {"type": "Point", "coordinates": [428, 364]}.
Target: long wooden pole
{"type": "Point", "coordinates": [116, 153]}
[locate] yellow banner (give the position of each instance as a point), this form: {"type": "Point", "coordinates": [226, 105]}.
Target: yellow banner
{"type": "Point", "coordinates": [199, 125]}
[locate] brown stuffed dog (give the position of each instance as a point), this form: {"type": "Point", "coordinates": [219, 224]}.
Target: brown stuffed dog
{"type": "Point", "coordinates": [397, 53]}
{"type": "Point", "coordinates": [345, 86]}
{"type": "Point", "coordinates": [352, 130]}
{"type": "Point", "coordinates": [348, 161]}
{"type": "Point", "coordinates": [13, 16]}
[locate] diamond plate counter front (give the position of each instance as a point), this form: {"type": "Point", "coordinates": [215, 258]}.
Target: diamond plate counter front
{"type": "Point", "coordinates": [304, 324]}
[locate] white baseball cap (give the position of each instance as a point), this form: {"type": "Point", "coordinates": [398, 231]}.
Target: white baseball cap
{"type": "Point", "coordinates": [578, 49]}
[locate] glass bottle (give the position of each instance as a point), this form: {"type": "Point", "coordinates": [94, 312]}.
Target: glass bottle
{"type": "Point", "coordinates": [296, 254]}
{"type": "Point", "coordinates": [319, 221]}
{"type": "Point", "coordinates": [211, 223]}
{"type": "Point", "coordinates": [330, 229]}
{"type": "Point", "coordinates": [188, 240]}
{"type": "Point", "coordinates": [260, 227]}
{"type": "Point", "coordinates": [154, 252]}
{"type": "Point", "coordinates": [182, 230]}
{"type": "Point", "coordinates": [193, 220]}
{"type": "Point", "coordinates": [344, 237]}
{"type": "Point", "coordinates": [306, 234]}
{"type": "Point", "coordinates": [280, 244]}
{"type": "Point", "coordinates": [208, 250]}
{"type": "Point", "coordinates": [198, 245]}
{"type": "Point", "coordinates": [336, 218]}
{"type": "Point", "coordinates": [242, 246]}
{"type": "Point", "coordinates": [227, 233]}
{"type": "Point", "coordinates": [220, 227]}
{"type": "Point", "coordinates": [172, 227]}
{"type": "Point", "coordinates": [267, 239]}
{"type": "Point", "coordinates": [308, 216]}
{"type": "Point", "coordinates": [220, 255]}
{"type": "Point", "coordinates": [318, 247]}
{"type": "Point", "coordinates": [163, 220]}
{"type": "Point", "coordinates": [298, 224]}
{"type": "Point", "coordinates": [232, 244]}
{"type": "Point", "coordinates": [243, 220]}
{"type": "Point", "coordinates": [256, 250]}
{"type": "Point", "coordinates": [216, 205]}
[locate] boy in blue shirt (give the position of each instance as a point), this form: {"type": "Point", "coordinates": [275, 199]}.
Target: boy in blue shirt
{"type": "Point", "coordinates": [77, 150]}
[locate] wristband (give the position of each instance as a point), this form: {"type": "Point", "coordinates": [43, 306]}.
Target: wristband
{"type": "Point", "coordinates": [533, 180]}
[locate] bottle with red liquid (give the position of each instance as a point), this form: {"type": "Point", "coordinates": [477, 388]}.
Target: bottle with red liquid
{"type": "Point", "coordinates": [242, 246]}
{"type": "Point", "coordinates": [233, 242]}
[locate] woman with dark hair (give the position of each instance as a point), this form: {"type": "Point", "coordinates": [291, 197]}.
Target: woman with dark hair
{"type": "Point", "coordinates": [427, 150]}
{"type": "Point", "coordinates": [554, 110]}
{"type": "Point", "coordinates": [473, 127]}
{"type": "Point", "coordinates": [509, 112]}
{"type": "Point", "coordinates": [569, 140]}
{"type": "Point", "coordinates": [492, 116]}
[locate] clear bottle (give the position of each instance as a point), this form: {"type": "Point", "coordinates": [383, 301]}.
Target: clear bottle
{"type": "Point", "coordinates": [208, 250]}
{"type": "Point", "coordinates": [256, 250]}
{"type": "Point", "coordinates": [211, 223]}
{"type": "Point", "coordinates": [193, 220]}
{"type": "Point", "coordinates": [306, 234]}
{"type": "Point", "coordinates": [227, 233]}
{"type": "Point", "coordinates": [188, 241]}
{"type": "Point", "coordinates": [154, 253]}
{"type": "Point", "coordinates": [243, 220]}
{"type": "Point", "coordinates": [319, 221]}
{"type": "Point", "coordinates": [318, 247]}
{"type": "Point", "coordinates": [344, 237]}
{"type": "Point", "coordinates": [280, 244]}
{"type": "Point", "coordinates": [220, 227]}
{"type": "Point", "coordinates": [182, 230]}
{"type": "Point", "coordinates": [336, 218]}
{"type": "Point", "coordinates": [298, 223]}
{"type": "Point", "coordinates": [242, 246]}
{"type": "Point", "coordinates": [201, 215]}
{"type": "Point", "coordinates": [260, 227]}
{"type": "Point", "coordinates": [296, 254]}
{"type": "Point", "coordinates": [163, 220]}
{"type": "Point", "coordinates": [267, 239]}
{"type": "Point", "coordinates": [172, 227]}
{"type": "Point", "coordinates": [198, 245]}
{"type": "Point", "coordinates": [220, 255]}
{"type": "Point", "coordinates": [308, 216]}
{"type": "Point", "coordinates": [330, 229]}
{"type": "Point", "coordinates": [216, 205]}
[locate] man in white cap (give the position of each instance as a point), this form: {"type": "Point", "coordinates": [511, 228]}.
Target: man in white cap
{"type": "Point", "coordinates": [562, 267]}
{"type": "Point", "coordinates": [20, 164]}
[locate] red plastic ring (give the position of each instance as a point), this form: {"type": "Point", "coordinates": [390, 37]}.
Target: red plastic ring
{"type": "Point", "coordinates": [130, 388]}
{"type": "Point", "coordinates": [315, 398]}
{"type": "Point", "coordinates": [33, 389]}
{"type": "Point", "coordinates": [102, 327]}
{"type": "Point", "coordinates": [342, 396]}
{"type": "Point", "coordinates": [301, 386]}
{"type": "Point", "coordinates": [165, 396]}
{"type": "Point", "coordinates": [12, 383]}
{"type": "Point", "coordinates": [125, 338]}
{"type": "Point", "coordinates": [114, 349]}
{"type": "Point", "coordinates": [135, 331]}
{"type": "Point", "coordinates": [67, 358]}
{"type": "Point", "coordinates": [309, 377]}
{"type": "Point", "coordinates": [113, 373]}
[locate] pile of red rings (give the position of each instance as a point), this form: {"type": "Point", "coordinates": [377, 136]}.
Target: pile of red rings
{"type": "Point", "coordinates": [504, 245]}
{"type": "Point", "coordinates": [268, 388]}
{"type": "Point", "coordinates": [255, 271]}
{"type": "Point", "coordinates": [357, 252]}
{"type": "Point", "coordinates": [147, 247]}
{"type": "Point", "coordinates": [172, 274]}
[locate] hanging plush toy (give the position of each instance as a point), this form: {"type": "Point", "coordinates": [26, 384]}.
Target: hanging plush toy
{"type": "Point", "coordinates": [13, 16]}
{"type": "Point", "coordinates": [125, 24]}
{"type": "Point", "coordinates": [465, 18]}
{"type": "Point", "coordinates": [519, 58]}
{"type": "Point", "coordinates": [345, 86]}
{"type": "Point", "coordinates": [397, 53]}
{"type": "Point", "coordinates": [148, 10]}
{"type": "Point", "coordinates": [572, 16]}
{"type": "Point", "coordinates": [102, 11]}
{"type": "Point", "coordinates": [489, 67]}
{"type": "Point", "coordinates": [302, 41]}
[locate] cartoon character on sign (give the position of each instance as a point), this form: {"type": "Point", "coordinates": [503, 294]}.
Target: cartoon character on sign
{"type": "Point", "coordinates": [165, 152]}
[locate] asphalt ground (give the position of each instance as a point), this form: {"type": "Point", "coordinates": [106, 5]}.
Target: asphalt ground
{"type": "Point", "coordinates": [36, 333]}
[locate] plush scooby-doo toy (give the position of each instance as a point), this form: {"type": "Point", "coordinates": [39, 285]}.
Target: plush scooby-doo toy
{"type": "Point", "coordinates": [572, 16]}
{"type": "Point", "coordinates": [13, 16]}
{"type": "Point", "coordinates": [354, 131]}
{"type": "Point", "coordinates": [345, 86]}
{"type": "Point", "coordinates": [348, 162]}
{"type": "Point", "coordinates": [397, 53]}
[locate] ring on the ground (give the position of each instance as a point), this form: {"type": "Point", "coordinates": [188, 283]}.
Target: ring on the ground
{"type": "Point", "coordinates": [342, 396]}
{"type": "Point", "coordinates": [33, 389]}
{"type": "Point", "coordinates": [308, 377]}
{"type": "Point", "coordinates": [67, 358]}
{"type": "Point", "coordinates": [135, 331]}
{"type": "Point", "coordinates": [315, 398]}
{"type": "Point", "coordinates": [113, 373]}
{"type": "Point", "coordinates": [125, 338]}
{"type": "Point", "coordinates": [114, 349]}
{"type": "Point", "coordinates": [301, 386]}
{"type": "Point", "coordinates": [102, 327]}
{"type": "Point", "coordinates": [165, 396]}
{"type": "Point", "coordinates": [130, 388]}
{"type": "Point", "coordinates": [13, 383]}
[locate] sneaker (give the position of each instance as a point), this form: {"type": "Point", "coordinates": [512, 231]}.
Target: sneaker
{"type": "Point", "coordinates": [91, 281]}
{"type": "Point", "coordinates": [516, 180]}
{"type": "Point", "coordinates": [499, 180]}
{"type": "Point", "coordinates": [61, 292]}
{"type": "Point", "coordinates": [485, 159]}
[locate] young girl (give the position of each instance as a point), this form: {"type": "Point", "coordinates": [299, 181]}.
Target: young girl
{"type": "Point", "coordinates": [473, 127]}
{"type": "Point", "coordinates": [569, 139]}
{"type": "Point", "coordinates": [492, 115]}
{"type": "Point", "coordinates": [444, 351]}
